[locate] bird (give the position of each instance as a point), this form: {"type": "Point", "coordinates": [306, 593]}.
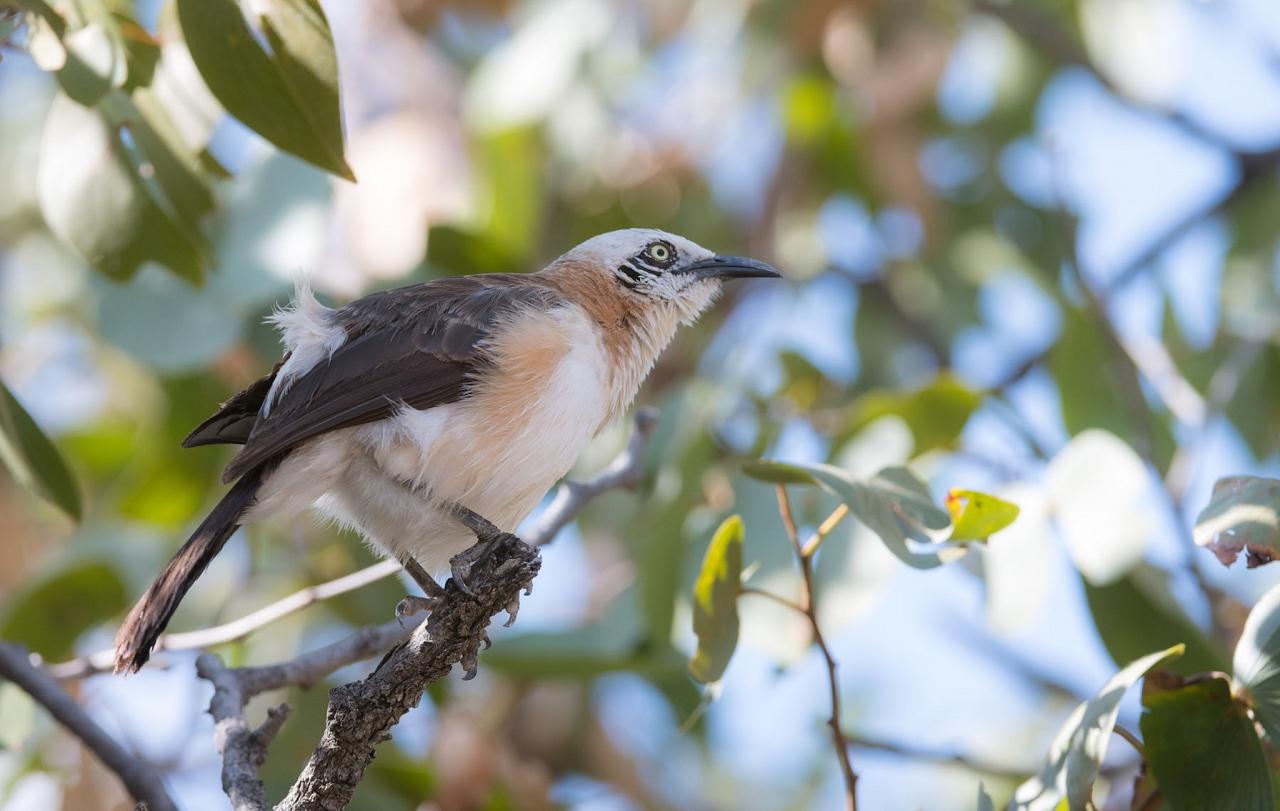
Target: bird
{"type": "Point", "coordinates": [421, 415]}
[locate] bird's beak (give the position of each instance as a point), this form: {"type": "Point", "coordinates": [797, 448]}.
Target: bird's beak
{"type": "Point", "coordinates": [730, 267]}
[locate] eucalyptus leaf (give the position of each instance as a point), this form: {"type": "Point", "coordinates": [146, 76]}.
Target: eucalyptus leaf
{"type": "Point", "coordinates": [1201, 746]}
{"type": "Point", "coordinates": [1080, 745]}
{"type": "Point", "coordinates": [1256, 663]}
{"type": "Point", "coordinates": [1242, 516]}
{"type": "Point", "coordinates": [288, 95]}
{"type": "Point", "coordinates": [715, 602]}
{"type": "Point", "coordinates": [32, 459]}
{"type": "Point", "coordinates": [894, 504]}
{"type": "Point", "coordinates": [92, 197]}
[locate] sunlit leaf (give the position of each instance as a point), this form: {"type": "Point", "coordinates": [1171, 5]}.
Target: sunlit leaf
{"type": "Point", "coordinates": [1137, 613]}
{"type": "Point", "coordinates": [1080, 745]}
{"type": "Point", "coordinates": [32, 459]}
{"type": "Point", "coordinates": [288, 96]}
{"type": "Point", "coordinates": [894, 504]}
{"type": "Point", "coordinates": [51, 614]}
{"type": "Point", "coordinates": [977, 516]}
{"type": "Point", "coordinates": [1256, 663]}
{"type": "Point", "coordinates": [1242, 516]}
{"type": "Point", "coordinates": [92, 197]}
{"type": "Point", "coordinates": [88, 58]}
{"type": "Point", "coordinates": [1201, 746]}
{"type": "Point", "coordinates": [715, 602]}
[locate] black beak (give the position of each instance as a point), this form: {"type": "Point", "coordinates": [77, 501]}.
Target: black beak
{"type": "Point", "coordinates": [730, 267]}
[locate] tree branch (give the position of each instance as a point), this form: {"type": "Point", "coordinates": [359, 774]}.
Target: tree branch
{"type": "Point", "coordinates": [809, 608]}
{"type": "Point", "coordinates": [137, 775]}
{"type": "Point", "coordinates": [361, 714]}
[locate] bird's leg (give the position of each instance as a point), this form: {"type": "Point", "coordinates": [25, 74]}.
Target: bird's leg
{"type": "Point", "coordinates": [432, 591]}
{"type": "Point", "coordinates": [490, 541]}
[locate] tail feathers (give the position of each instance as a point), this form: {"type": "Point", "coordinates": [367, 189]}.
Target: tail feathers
{"type": "Point", "coordinates": [138, 635]}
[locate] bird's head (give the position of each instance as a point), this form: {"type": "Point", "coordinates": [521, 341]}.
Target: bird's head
{"type": "Point", "coordinates": [650, 265]}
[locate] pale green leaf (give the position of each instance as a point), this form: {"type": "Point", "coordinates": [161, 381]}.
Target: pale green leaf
{"type": "Point", "coordinates": [1080, 745]}
{"type": "Point", "coordinates": [894, 504]}
{"type": "Point", "coordinates": [1256, 663]}
{"type": "Point", "coordinates": [1242, 516]}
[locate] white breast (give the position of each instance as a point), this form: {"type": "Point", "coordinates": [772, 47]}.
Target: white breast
{"type": "Point", "coordinates": [522, 427]}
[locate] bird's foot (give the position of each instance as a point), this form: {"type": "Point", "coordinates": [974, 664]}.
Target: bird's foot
{"type": "Point", "coordinates": [433, 592]}
{"type": "Point", "coordinates": [486, 550]}
{"type": "Point", "coordinates": [491, 543]}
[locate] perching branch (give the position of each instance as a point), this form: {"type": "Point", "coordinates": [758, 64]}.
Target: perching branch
{"type": "Point", "coordinates": [139, 778]}
{"type": "Point", "coordinates": [361, 713]}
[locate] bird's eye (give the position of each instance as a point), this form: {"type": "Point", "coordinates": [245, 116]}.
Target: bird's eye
{"type": "Point", "coordinates": [660, 253]}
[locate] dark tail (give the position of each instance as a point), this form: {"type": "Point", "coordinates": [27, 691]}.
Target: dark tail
{"type": "Point", "coordinates": [138, 635]}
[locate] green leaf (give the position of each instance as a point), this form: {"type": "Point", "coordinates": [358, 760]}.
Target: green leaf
{"type": "Point", "coordinates": [52, 614]}
{"type": "Point", "coordinates": [32, 459]}
{"type": "Point", "coordinates": [1243, 515]}
{"type": "Point", "coordinates": [936, 413]}
{"type": "Point", "coordinates": [977, 516]}
{"type": "Point", "coordinates": [894, 504]}
{"type": "Point", "coordinates": [1201, 746]}
{"type": "Point", "coordinates": [1256, 663]}
{"type": "Point", "coordinates": [92, 197]}
{"type": "Point", "coordinates": [288, 96]}
{"type": "Point", "coordinates": [1137, 613]}
{"type": "Point", "coordinates": [1080, 745]}
{"type": "Point", "coordinates": [87, 58]}
{"type": "Point", "coordinates": [715, 602]}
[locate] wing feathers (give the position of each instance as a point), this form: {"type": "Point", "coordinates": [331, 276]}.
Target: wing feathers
{"type": "Point", "coordinates": [418, 346]}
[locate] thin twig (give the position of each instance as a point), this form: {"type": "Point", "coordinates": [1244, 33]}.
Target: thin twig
{"type": "Point", "coordinates": [142, 782]}
{"type": "Point", "coordinates": [808, 607]}
{"type": "Point", "coordinates": [961, 759]}
{"type": "Point", "coordinates": [103, 661]}
{"type": "Point", "coordinates": [824, 529]}
{"type": "Point", "coordinates": [777, 598]}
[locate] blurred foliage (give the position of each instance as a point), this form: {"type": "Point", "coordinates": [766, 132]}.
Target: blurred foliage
{"type": "Point", "coordinates": [942, 201]}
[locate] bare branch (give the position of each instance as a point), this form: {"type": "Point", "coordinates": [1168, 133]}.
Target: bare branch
{"type": "Point", "coordinates": [103, 661]}
{"type": "Point", "coordinates": [138, 777]}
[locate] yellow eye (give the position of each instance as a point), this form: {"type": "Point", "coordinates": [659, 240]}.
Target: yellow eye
{"type": "Point", "coordinates": [659, 252]}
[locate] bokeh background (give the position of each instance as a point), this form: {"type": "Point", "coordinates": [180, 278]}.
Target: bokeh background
{"type": "Point", "coordinates": [955, 192]}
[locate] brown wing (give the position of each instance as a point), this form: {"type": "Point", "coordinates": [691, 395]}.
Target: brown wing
{"type": "Point", "coordinates": [417, 346]}
{"type": "Point", "coordinates": [235, 418]}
